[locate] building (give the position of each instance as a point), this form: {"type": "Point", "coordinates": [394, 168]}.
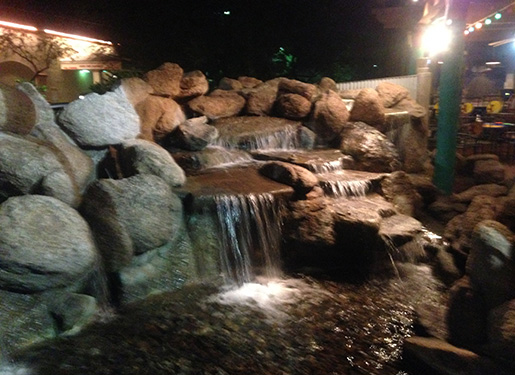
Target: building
{"type": "Point", "coordinates": [86, 61]}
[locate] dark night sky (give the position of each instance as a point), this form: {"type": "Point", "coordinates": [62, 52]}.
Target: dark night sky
{"type": "Point", "coordinates": [325, 36]}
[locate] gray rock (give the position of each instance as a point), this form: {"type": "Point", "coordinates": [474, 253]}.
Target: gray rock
{"type": "Point", "coordinates": [143, 157]}
{"type": "Point", "coordinates": [17, 111]}
{"type": "Point", "coordinates": [100, 120]}
{"type": "Point", "coordinates": [44, 244]}
{"type": "Point", "coordinates": [194, 134]}
{"type": "Point", "coordinates": [491, 263]}
{"type": "Point", "coordinates": [72, 311]}
{"type": "Point", "coordinates": [76, 162]}
{"type": "Point", "coordinates": [130, 216]}
{"type": "Point", "coordinates": [44, 112]}
{"type": "Point", "coordinates": [29, 166]}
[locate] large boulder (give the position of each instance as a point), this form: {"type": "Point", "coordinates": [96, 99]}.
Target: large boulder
{"type": "Point", "coordinates": [329, 116]}
{"type": "Point", "coordinates": [17, 111]}
{"type": "Point", "coordinates": [44, 244]}
{"type": "Point", "coordinates": [501, 332]}
{"type": "Point", "coordinates": [292, 106]}
{"type": "Point", "coordinates": [391, 93]}
{"type": "Point", "coordinates": [489, 171]}
{"type": "Point", "coordinates": [130, 216]}
{"type": "Point", "coordinates": [30, 166]}
{"type": "Point", "coordinates": [143, 157]}
{"type": "Point", "coordinates": [398, 189]}
{"type": "Point", "coordinates": [194, 134]}
{"type": "Point", "coordinates": [368, 108]}
{"type": "Point", "coordinates": [492, 190]}
{"type": "Point", "coordinates": [159, 116]}
{"type": "Point", "coordinates": [218, 104]}
{"type": "Point", "coordinates": [193, 84]}
{"type": "Point", "coordinates": [370, 148]}
{"type": "Point", "coordinates": [491, 262]}
{"type": "Point", "coordinates": [100, 120]}
{"type": "Point", "coordinates": [227, 83]}
{"type": "Point", "coordinates": [249, 82]}
{"type": "Point", "coordinates": [327, 83]}
{"type": "Point", "coordinates": [75, 161]}
{"type": "Point", "coordinates": [307, 90]}
{"type": "Point", "coordinates": [166, 80]}
{"type": "Point", "coordinates": [44, 112]}
{"type": "Point", "coordinates": [135, 89]}
{"type": "Point", "coordinates": [260, 101]}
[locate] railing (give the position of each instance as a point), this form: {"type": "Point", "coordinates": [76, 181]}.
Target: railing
{"type": "Point", "coordinates": [409, 82]}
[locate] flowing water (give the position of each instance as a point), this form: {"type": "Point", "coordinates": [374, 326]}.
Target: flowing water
{"type": "Point", "coordinates": [284, 139]}
{"type": "Point", "coordinates": [346, 188]}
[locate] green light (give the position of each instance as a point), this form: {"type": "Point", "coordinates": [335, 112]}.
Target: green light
{"type": "Point", "coordinates": [498, 16]}
{"type": "Point", "coordinates": [488, 21]}
{"type": "Point", "coordinates": [84, 71]}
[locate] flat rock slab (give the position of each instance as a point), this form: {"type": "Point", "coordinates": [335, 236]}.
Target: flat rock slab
{"type": "Point", "coordinates": [204, 187]}
{"type": "Point", "coordinates": [194, 162]}
{"type": "Point", "coordinates": [371, 210]}
{"type": "Point", "coordinates": [316, 161]}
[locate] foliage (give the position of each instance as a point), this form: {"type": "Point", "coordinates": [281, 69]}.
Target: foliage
{"type": "Point", "coordinates": [41, 88]}
{"type": "Point", "coordinates": [284, 62]}
{"type": "Point", "coordinates": [113, 79]}
{"type": "Point", "coordinates": [39, 50]}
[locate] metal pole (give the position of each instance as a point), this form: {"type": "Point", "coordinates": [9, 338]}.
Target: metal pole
{"type": "Point", "coordinates": [450, 101]}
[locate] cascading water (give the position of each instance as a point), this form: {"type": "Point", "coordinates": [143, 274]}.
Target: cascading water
{"type": "Point", "coordinates": [346, 188]}
{"type": "Point", "coordinates": [250, 234]}
{"type": "Point", "coordinates": [284, 139]}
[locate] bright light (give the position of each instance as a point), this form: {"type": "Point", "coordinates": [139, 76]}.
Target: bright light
{"type": "Point", "coordinates": [18, 26]}
{"type": "Point", "coordinates": [84, 38]}
{"type": "Point", "coordinates": [227, 12]}
{"type": "Point", "coordinates": [448, 22]}
{"type": "Point", "coordinates": [479, 25]}
{"type": "Point", "coordinates": [488, 21]}
{"type": "Point", "coordinates": [466, 32]}
{"type": "Point", "coordinates": [436, 39]}
{"type": "Point", "coordinates": [493, 63]}
{"type": "Point", "coordinates": [471, 29]}
{"type": "Point", "coordinates": [84, 71]}
{"type": "Point", "coordinates": [498, 16]}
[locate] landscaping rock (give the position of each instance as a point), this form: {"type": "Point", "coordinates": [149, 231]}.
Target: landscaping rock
{"type": "Point", "coordinates": [229, 84]}
{"type": "Point", "coordinates": [194, 134]}
{"type": "Point", "coordinates": [369, 147]}
{"type": "Point", "coordinates": [143, 157]}
{"type": "Point", "coordinates": [368, 108]}
{"type": "Point", "coordinates": [501, 332]}
{"type": "Point", "coordinates": [72, 311]}
{"type": "Point", "coordinates": [100, 120]}
{"type": "Point", "coordinates": [218, 104]}
{"type": "Point", "coordinates": [44, 244]}
{"type": "Point", "coordinates": [307, 90]}
{"type": "Point", "coordinates": [249, 82]}
{"type": "Point", "coordinates": [329, 116]}
{"type": "Point", "coordinates": [136, 90]}
{"type": "Point", "coordinates": [295, 176]}
{"type": "Point", "coordinates": [17, 111]}
{"type": "Point", "coordinates": [159, 117]}
{"type": "Point", "coordinates": [293, 106]}
{"type": "Point", "coordinates": [261, 99]}
{"type": "Point", "coordinates": [398, 230]}
{"type": "Point", "coordinates": [44, 113]}
{"type": "Point", "coordinates": [492, 190]}
{"type": "Point", "coordinates": [391, 93]}
{"type": "Point", "coordinates": [166, 80]}
{"type": "Point", "coordinates": [130, 216]}
{"type": "Point", "coordinates": [398, 189]}
{"type": "Point", "coordinates": [193, 84]}
{"type": "Point", "coordinates": [488, 171]}
{"type": "Point", "coordinates": [327, 83]}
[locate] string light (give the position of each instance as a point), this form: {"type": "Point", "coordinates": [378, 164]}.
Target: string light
{"type": "Point", "coordinates": [497, 15]}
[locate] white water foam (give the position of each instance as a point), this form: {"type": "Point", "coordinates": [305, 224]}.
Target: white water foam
{"type": "Point", "coordinates": [14, 370]}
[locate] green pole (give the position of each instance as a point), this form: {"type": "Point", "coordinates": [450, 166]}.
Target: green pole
{"type": "Point", "coordinates": [450, 101]}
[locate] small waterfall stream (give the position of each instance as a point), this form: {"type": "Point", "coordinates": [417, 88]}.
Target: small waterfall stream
{"type": "Point", "coordinates": [251, 235]}
{"type": "Point", "coordinates": [285, 139]}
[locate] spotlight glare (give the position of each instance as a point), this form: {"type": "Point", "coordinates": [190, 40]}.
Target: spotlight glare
{"type": "Point", "coordinates": [488, 21]}
{"type": "Point", "coordinates": [498, 16]}
{"type": "Point", "coordinates": [471, 29]}
{"type": "Point", "coordinates": [479, 25]}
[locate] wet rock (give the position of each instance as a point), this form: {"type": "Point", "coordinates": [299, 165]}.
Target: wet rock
{"type": "Point", "coordinates": [17, 111]}
{"type": "Point", "coordinates": [368, 109]}
{"type": "Point", "coordinates": [159, 117]}
{"type": "Point", "coordinates": [488, 171]}
{"type": "Point", "coordinates": [261, 99]}
{"type": "Point", "coordinates": [316, 161]}
{"type": "Point", "coordinates": [330, 115]}
{"type": "Point", "coordinates": [218, 104]}
{"type": "Point", "coordinates": [72, 311]}
{"type": "Point", "coordinates": [194, 161]}
{"type": "Point", "coordinates": [143, 157]}
{"type": "Point", "coordinates": [166, 80]}
{"type": "Point", "coordinates": [135, 89]}
{"type": "Point", "coordinates": [491, 263]}
{"type": "Point", "coordinates": [75, 161]}
{"type": "Point", "coordinates": [30, 166]}
{"type": "Point", "coordinates": [445, 208]}
{"type": "Point", "coordinates": [44, 113]}
{"type": "Point", "coordinates": [501, 332]}
{"type": "Point", "coordinates": [425, 187]}
{"type": "Point", "coordinates": [398, 189]}
{"type": "Point", "coordinates": [193, 84]}
{"type": "Point", "coordinates": [399, 229]}
{"type": "Point", "coordinates": [194, 134]}
{"type": "Point", "coordinates": [466, 315]}
{"type": "Point", "coordinates": [130, 216]}
{"type": "Point", "coordinates": [492, 190]}
{"type": "Point", "coordinates": [34, 256]}
{"type": "Point", "coordinates": [369, 147]}
{"type": "Point", "coordinates": [506, 213]}
{"type": "Point", "coordinates": [458, 230]}
{"type": "Point", "coordinates": [412, 107]}
{"type": "Point", "coordinates": [297, 177]}
{"type": "Point", "coordinates": [293, 106]}
{"type": "Point", "coordinates": [293, 86]}
{"type": "Point", "coordinates": [100, 120]}
{"type": "Point", "coordinates": [229, 84]}
{"type": "Point", "coordinates": [391, 93]}
{"type": "Point", "coordinates": [327, 83]}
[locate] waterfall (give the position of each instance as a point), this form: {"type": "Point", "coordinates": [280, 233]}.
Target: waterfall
{"type": "Point", "coordinates": [346, 188]}
{"type": "Point", "coordinates": [284, 139]}
{"type": "Point", "coordinates": [327, 167]}
{"type": "Point", "coordinates": [250, 236]}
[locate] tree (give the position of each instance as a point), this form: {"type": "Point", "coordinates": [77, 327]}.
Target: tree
{"type": "Point", "coordinates": [39, 50]}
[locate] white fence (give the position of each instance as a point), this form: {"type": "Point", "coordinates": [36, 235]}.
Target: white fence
{"type": "Point", "coordinates": [409, 82]}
